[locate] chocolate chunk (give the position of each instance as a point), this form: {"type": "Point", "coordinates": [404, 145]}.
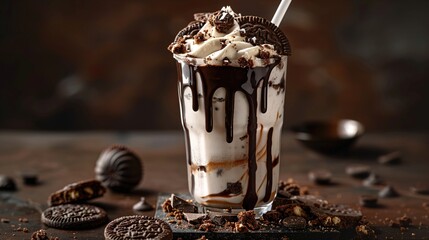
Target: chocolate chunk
{"type": "Point", "coordinates": [388, 192]}
{"type": "Point", "coordinates": [77, 192]}
{"type": "Point", "coordinates": [293, 209]}
{"type": "Point", "coordinates": [321, 177]}
{"type": "Point", "coordinates": [331, 215]}
{"type": "Point", "coordinates": [7, 183]}
{"type": "Point", "coordinates": [74, 216]}
{"type": "Point", "coordinates": [30, 178]}
{"type": "Point", "coordinates": [142, 205]}
{"type": "Point", "coordinates": [223, 21]}
{"type": "Point", "coordinates": [119, 169]}
{"type": "Point", "coordinates": [368, 201]}
{"type": "Point", "coordinates": [420, 189]}
{"type": "Point", "coordinates": [4, 220]}
{"type": "Point", "coordinates": [358, 171]}
{"type": "Point", "coordinates": [137, 227]}
{"type": "Point", "coordinates": [372, 180]}
{"type": "Point", "coordinates": [195, 218]}
{"type": "Point", "coordinates": [294, 223]}
{"type": "Point", "coordinates": [234, 188]}
{"type": "Point", "coordinates": [220, 218]}
{"type": "Point", "coordinates": [182, 204]}
{"type": "Point", "coordinates": [272, 216]}
{"type": "Point", "coordinates": [390, 158]}
{"type": "Point", "coordinates": [260, 31]}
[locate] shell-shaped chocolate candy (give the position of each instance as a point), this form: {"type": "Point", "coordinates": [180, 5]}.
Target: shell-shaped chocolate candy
{"type": "Point", "coordinates": [7, 183]}
{"type": "Point", "coordinates": [119, 169]}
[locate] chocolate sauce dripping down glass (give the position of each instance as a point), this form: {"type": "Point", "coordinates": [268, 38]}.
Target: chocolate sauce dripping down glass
{"type": "Point", "coordinates": [269, 165]}
{"type": "Point", "coordinates": [181, 89]}
{"type": "Point", "coordinates": [232, 79]}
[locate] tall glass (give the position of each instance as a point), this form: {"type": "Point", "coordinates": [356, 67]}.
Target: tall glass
{"type": "Point", "coordinates": [232, 119]}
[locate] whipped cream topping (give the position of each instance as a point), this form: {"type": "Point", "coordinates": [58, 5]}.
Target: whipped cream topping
{"type": "Point", "coordinates": [227, 46]}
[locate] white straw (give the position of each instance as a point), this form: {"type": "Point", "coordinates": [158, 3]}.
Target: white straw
{"type": "Point", "coordinates": [281, 10]}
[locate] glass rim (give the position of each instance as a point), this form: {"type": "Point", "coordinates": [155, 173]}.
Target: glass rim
{"type": "Point", "coordinates": [234, 63]}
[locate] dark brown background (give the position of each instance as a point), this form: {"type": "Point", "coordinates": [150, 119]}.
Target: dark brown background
{"type": "Point", "coordinates": [79, 65]}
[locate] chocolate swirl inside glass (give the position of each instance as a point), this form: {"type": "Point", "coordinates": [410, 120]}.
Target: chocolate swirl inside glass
{"type": "Point", "coordinates": [232, 119]}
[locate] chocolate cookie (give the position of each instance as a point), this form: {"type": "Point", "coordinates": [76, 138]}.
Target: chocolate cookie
{"type": "Point", "coordinates": [260, 31]}
{"type": "Point", "coordinates": [119, 169]}
{"type": "Point", "coordinates": [178, 45]}
{"type": "Point", "coordinates": [137, 227]}
{"type": "Point", "coordinates": [74, 216]}
{"type": "Point", "coordinates": [77, 192]}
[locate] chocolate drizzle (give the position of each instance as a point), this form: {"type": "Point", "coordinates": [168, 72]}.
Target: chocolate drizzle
{"type": "Point", "coordinates": [269, 165]}
{"type": "Point", "coordinates": [232, 189]}
{"type": "Point", "coordinates": [276, 161]}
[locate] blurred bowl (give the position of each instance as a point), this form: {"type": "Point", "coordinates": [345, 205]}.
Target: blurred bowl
{"type": "Point", "coordinates": [328, 137]}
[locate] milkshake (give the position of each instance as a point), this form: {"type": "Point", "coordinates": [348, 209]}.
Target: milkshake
{"type": "Point", "coordinates": [231, 86]}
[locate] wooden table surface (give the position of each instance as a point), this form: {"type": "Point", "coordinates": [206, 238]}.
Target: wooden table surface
{"type": "Point", "coordinates": [63, 158]}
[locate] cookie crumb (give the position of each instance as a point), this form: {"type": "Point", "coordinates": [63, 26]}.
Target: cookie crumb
{"type": "Point", "coordinates": [166, 206]}
{"type": "Point", "coordinates": [40, 235]}
{"type": "Point", "coordinates": [365, 232]}
{"type": "Point", "coordinates": [248, 219]}
{"type": "Point", "coordinates": [207, 226]}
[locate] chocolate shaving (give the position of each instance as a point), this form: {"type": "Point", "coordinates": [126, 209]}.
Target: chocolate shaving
{"type": "Point", "coordinates": [368, 201]}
